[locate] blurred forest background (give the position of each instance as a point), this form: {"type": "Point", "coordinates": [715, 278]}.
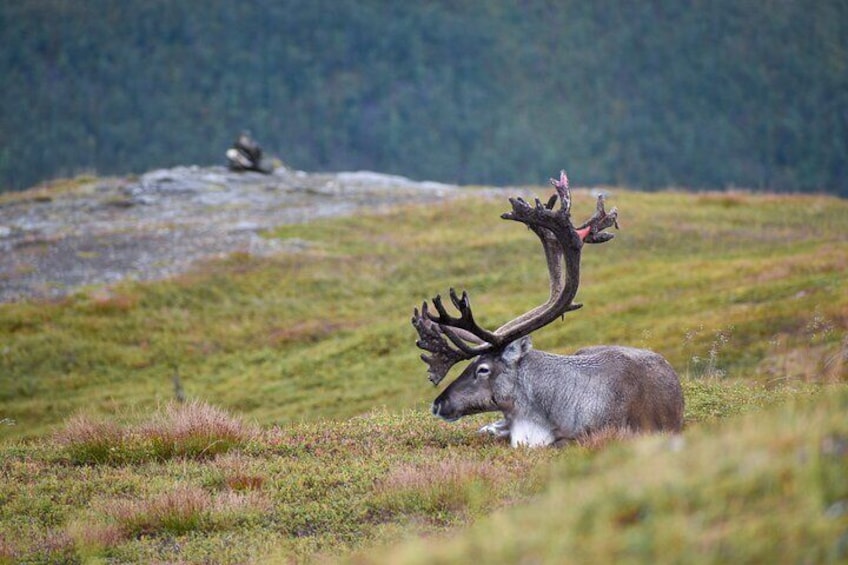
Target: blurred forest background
{"type": "Point", "coordinates": [700, 94]}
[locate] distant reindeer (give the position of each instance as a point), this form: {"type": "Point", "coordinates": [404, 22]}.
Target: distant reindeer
{"type": "Point", "coordinates": [545, 398]}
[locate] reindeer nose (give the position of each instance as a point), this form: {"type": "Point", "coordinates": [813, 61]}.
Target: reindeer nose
{"type": "Point", "coordinates": [436, 409]}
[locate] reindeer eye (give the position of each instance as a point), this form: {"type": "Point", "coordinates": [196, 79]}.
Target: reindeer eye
{"type": "Point", "coordinates": [483, 371]}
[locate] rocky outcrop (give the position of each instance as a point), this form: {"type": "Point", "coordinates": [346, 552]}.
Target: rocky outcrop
{"type": "Point", "coordinates": [155, 226]}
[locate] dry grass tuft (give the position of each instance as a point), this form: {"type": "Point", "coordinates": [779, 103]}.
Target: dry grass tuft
{"type": "Point", "coordinates": [181, 510]}
{"type": "Point", "coordinates": [195, 429]}
{"type": "Point", "coordinates": [93, 536]}
{"type": "Point", "coordinates": [446, 485]}
{"type": "Point", "coordinates": [89, 441]}
{"type": "Point", "coordinates": [417, 476]}
{"type": "Point", "coordinates": [237, 473]}
{"type": "Point", "coordinates": [230, 505]}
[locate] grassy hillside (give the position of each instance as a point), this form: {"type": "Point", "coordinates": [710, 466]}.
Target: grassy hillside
{"type": "Point", "coordinates": [332, 450]}
{"type": "Point", "coordinates": [734, 285]}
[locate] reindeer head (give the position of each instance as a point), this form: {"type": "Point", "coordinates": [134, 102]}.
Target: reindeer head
{"type": "Point", "coordinates": [486, 385]}
{"type": "Point", "coordinates": [451, 339]}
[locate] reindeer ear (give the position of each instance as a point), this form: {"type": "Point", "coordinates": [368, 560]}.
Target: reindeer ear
{"type": "Point", "coordinates": [513, 352]}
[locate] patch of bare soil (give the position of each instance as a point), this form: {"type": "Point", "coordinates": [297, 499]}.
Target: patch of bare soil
{"type": "Point", "coordinates": [158, 225]}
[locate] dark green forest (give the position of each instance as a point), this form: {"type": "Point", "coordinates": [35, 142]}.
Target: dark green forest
{"type": "Point", "coordinates": [652, 94]}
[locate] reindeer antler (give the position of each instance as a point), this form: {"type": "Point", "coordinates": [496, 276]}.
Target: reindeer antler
{"type": "Point", "coordinates": [451, 339]}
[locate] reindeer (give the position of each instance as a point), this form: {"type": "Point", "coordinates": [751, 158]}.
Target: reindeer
{"type": "Point", "coordinates": [546, 399]}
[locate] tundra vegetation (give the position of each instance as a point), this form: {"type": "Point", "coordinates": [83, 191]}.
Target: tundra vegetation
{"type": "Point", "coordinates": [306, 433]}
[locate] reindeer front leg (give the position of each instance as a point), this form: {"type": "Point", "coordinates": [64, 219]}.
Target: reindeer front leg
{"type": "Point", "coordinates": [499, 429]}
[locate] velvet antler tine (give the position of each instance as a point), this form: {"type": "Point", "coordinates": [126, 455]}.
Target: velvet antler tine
{"type": "Point", "coordinates": [459, 303]}
{"type": "Point", "coordinates": [440, 308]}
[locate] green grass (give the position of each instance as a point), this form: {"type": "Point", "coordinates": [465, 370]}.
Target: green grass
{"type": "Point", "coordinates": [307, 435]}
